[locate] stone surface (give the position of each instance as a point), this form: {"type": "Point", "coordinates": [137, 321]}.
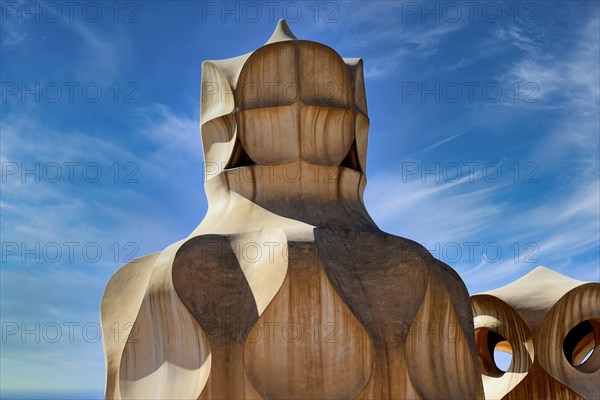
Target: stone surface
{"type": "Point", "coordinates": [287, 288]}
{"type": "Point", "coordinates": [549, 323]}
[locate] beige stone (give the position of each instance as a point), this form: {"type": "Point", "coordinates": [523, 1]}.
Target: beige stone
{"type": "Point", "coordinates": [549, 323]}
{"type": "Point", "coordinates": [287, 289]}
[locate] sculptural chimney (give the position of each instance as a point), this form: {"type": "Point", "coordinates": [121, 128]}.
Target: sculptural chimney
{"type": "Point", "coordinates": [550, 325]}
{"type": "Point", "coordinates": [288, 289]}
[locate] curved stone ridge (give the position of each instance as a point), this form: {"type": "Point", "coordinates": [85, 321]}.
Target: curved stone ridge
{"type": "Point", "coordinates": [287, 288]}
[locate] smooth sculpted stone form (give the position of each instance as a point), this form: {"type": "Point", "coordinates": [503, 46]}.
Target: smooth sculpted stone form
{"type": "Point", "coordinates": [550, 326]}
{"type": "Point", "coordinates": [288, 289]}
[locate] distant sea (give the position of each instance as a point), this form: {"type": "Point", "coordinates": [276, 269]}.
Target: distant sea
{"type": "Point", "coordinates": [88, 395]}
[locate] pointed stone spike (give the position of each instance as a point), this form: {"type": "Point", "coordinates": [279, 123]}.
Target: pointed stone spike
{"type": "Point", "coordinates": [540, 282]}
{"type": "Point", "coordinates": [281, 33]}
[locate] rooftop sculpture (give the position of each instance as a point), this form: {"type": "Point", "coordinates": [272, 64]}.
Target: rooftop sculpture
{"type": "Point", "coordinates": [549, 323]}
{"type": "Point", "coordinates": [287, 289]}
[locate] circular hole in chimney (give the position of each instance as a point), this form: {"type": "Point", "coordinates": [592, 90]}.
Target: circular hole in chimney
{"type": "Point", "coordinates": [495, 352]}
{"type": "Point", "coordinates": [503, 355]}
{"type": "Point", "coordinates": [581, 346]}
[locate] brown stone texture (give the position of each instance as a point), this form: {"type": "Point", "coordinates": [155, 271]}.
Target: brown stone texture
{"type": "Point", "coordinates": [549, 323]}
{"type": "Point", "coordinates": [287, 289]}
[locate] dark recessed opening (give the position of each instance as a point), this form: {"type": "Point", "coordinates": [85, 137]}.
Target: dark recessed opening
{"type": "Point", "coordinates": [239, 157]}
{"type": "Point", "coordinates": [581, 346]}
{"type": "Point", "coordinates": [495, 352]}
{"type": "Point", "coordinates": [351, 160]}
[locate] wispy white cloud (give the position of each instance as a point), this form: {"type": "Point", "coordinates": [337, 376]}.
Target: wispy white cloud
{"type": "Point", "coordinates": [561, 223]}
{"type": "Point", "coordinates": [12, 30]}
{"type": "Point", "coordinates": [446, 140]}
{"type": "Point", "coordinates": [123, 220]}
{"type": "Point", "coordinates": [559, 228]}
{"type": "Point", "coordinates": [170, 132]}
{"type": "Point", "coordinates": [36, 208]}
{"type": "Point", "coordinates": [13, 33]}
{"type": "Point", "coordinates": [403, 42]}
{"type": "Point", "coordinates": [374, 27]}
{"type": "Point", "coordinates": [572, 80]}
{"type": "Point", "coordinates": [429, 211]}
{"type": "Point", "coordinates": [101, 53]}
{"type": "Point", "coordinates": [43, 214]}
{"type": "Point", "coordinates": [515, 35]}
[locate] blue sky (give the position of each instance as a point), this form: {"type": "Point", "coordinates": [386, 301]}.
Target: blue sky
{"type": "Point", "coordinates": [484, 146]}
